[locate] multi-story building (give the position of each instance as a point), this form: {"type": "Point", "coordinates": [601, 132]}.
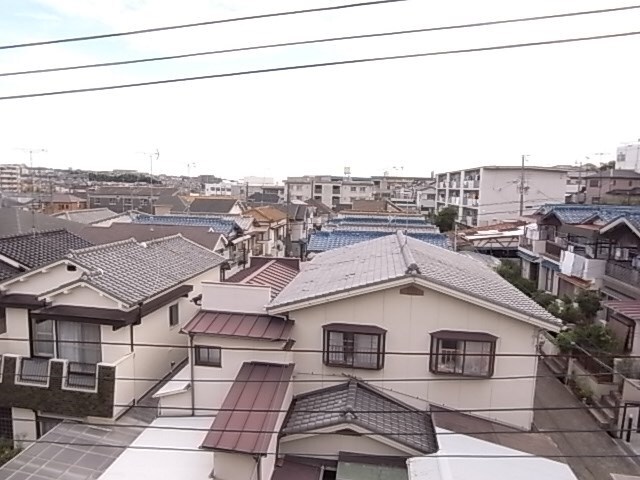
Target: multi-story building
{"type": "Point", "coordinates": [122, 199]}
{"type": "Point", "coordinates": [221, 188]}
{"type": "Point", "coordinates": [491, 194]}
{"type": "Point", "coordinates": [613, 187]}
{"type": "Point", "coordinates": [628, 156]}
{"type": "Point", "coordinates": [330, 190]}
{"type": "Point", "coordinates": [10, 178]}
{"type": "Point", "coordinates": [403, 191]}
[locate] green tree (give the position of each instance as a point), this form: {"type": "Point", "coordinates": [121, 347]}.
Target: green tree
{"type": "Point", "coordinates": [446, 218]}
{"type": "Point", "coordinates": [589, 303]}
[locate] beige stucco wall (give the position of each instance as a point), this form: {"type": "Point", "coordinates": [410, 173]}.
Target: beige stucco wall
{"type": "Point", "coordinates": [213, 383]}
{"type": "Point", "coordinates": [83, 296]}
{"type": "Point", "coordinates": [18, 331]}
{"type": "Point", "coordinates": [44, 281]}
{"type": "Point", "coordinates": [234, 466]}
{"type": "Point", "coordinates": [408, 321]}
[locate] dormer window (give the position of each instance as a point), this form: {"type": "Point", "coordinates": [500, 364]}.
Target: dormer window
{"type": "Point", "coordinates": [354, 346]}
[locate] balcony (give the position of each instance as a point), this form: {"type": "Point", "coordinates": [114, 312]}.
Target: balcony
{"type": "Point", "coordinates": [58, 386]}
{"type": "Point", "coordinates": [552, 249]}
{"type": "Point", "coordinates": [471, 184]}
{"type": "Point", "coordinates": [623, 272]}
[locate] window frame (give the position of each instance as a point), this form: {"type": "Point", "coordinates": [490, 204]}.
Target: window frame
{"type": "Point", "coordinates": [352, 330]}
{"type": "Point", "coordinates": [174, 315]}
{"type": "Point", "coordinates": [466, 337]}
{"type": "Point", "coordinates": [197, 360]}
{"type": "Point", "coordinates": [3, 320]}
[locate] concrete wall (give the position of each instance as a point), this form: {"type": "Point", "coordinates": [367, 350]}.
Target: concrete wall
{"type": "Point", "coordinates": [44, 281]}
{"type": "Point", "coordinates": [408, 321]}
{"type": "Point", "coordinates": [232, 297]}
{"type": "Point", "coordinates": [82, 296]}
{"type": "Point", "coordinates": [18, 331]}
{"type": "Point", "coordinates": [24, 426]}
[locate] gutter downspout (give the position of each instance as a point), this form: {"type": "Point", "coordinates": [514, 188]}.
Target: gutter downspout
{"type": "Point", "coordinates": [259, 467]}
{"type": "Point", "coordinates": [191, 368]}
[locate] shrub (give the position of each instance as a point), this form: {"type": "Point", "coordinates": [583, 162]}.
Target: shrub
{"type": "Point", "coordinates": [593, 337]}
{"type": "Point", "coordinates": [543, 299]}
{"type": "Point", "coordinates": [589, 303]}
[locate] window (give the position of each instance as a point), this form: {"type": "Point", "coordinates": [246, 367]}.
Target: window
{"type": "Point", "coordinates": [96, 201]}
{"type": "Point", "coordinates": [613, 182]}
{"type": "Point", "coordinates": [208, 356]}
{"type": "Point", "coordinates": [112, 201]}
{"type": "Point", "coordinates": [363, 189]}
{"type": "Point", "coordinates": [594, 183]}
{"type": "Point", "coordinates": [353, 189]}
{"type": "Point", "coordinates": [173, 315]}
{"type": "Point", "coordinates": [470, 354]}
{"type": "Point", "coordinates": [356, 346]}
{"type": "Point", "coordinates": [144, 201]}
{"type": "Point", "coordinates": [128, 201]}
{"type": "Point", "coordinates": [42, 339]}
{"type": "Point", "coordinates": [595, 200]}
{"type": "Point", "coordinates": [630, 183]}
{"type": "Point", "coordinates": [298, 187]}
{"type": "Point", "coordinates": [3, 320]}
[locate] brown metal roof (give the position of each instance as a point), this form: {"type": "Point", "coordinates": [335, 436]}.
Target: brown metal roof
{"type": "Point", "coordinates": [628, 308]}
{"type": "Point", "coordinates": [249, 413]}
{"type": "Point", "coordinates": [267, 271]}
{"type": "Point", "coordinates": [247, 325]}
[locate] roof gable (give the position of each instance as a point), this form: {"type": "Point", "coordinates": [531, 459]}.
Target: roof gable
{"type": "Point", "coordinates": [212, 205]}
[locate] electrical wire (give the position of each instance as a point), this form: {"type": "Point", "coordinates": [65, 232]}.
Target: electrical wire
{"type": "Point", "coordinates": [322, 40]}
{"type": "Point", "coordinates": [320, 65]}
{"type": "Point", "coordinates": [198, 24]}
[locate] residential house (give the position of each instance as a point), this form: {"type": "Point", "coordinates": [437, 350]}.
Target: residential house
{"type": "Point", "coordinates": [202, 235]}
{"type": "Point", "coordinates": [613, 187]}
{"type": "Point", "coordinates": [499, 240]}
{"type": "Point", "coordinates": [426, 199]}
{"type": "Point", "coordinates": [395, 323]}
{"type": "Point", "coordinates": [564, 251]}
{"type": "Point", "coordinates": [628, 156]}
{"type": "Point", "coordinates": [375, 206]}
{"type": "Point", "coordinates": [215, 205]}
{"type": "Point", "coordinates": [270, 230]}
{"type": "Point", "coordinates": [21, 253]}
{"type": "Point", "coordinates": [322, 213]}
{"type": "Point", "coordinates": [78, 329]}
{"type": "Point", "coordinates": [14, 221]}
{"type": "Point", "coordinates": [61, 202]}
{"type": "Point", "coordinates": [394, 221]}
{"type": "Point", "coordinates": [237, 230]}
{"type": "Point", "coordinates": [491, 194]}
{"type": "Point", "coordinates": [89, 216]}
{"type": "Point", "coordinates": [133, 197]}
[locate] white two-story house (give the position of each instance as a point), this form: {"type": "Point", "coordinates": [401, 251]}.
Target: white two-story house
{"type": "Point", "coordinates": [89, 335]}
{"type": "Point", "coordinates": [393, 323]}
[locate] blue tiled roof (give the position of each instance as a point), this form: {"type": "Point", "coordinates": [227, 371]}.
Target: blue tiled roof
{"type": "Point", "coordinates": [219, 225]}
{"type": "Point", "coordinates": [378, 220]}
{"type": "Point", "coordinates": [577, 214]}
{"type": "Point", "coordinates": [323, 240]}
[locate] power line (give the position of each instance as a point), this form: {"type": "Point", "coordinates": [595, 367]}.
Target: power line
{"type": "Point", "coordinates": [198, 24]}
{"type": "Point", "coordinates": [322, 40]}
{"type": "Point", "coordinates": [323, 64]}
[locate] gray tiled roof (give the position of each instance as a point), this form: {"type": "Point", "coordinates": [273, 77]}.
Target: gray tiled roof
{"type": "Point", "coordinates": [39, 248]}
{"type": "Point", "coordinates": [359, 404]}
{"type": "Point", "coordinates": [87, 216]}
{"type": "Point", "coordinates": [7, 271]}
{"type": "Point", "coordinates": [133, 272]}
{"type": "Point", "coordinates": [14, 221]}
{"type": "Point", "coordinates": [578, 214]}
{"type": "Point", "coordinates": [396, 256]}
{"type": "Point", "coordinates": [212, 205]}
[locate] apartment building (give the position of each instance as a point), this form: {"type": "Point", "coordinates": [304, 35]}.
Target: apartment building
{"type": "Point", "coordinates": [628, 156]}
{"type": "Point", "coordinates": [412, 194]}
{"type": "Point", "coordinates": [10, 178]}
{"type": "Point", "coordinates": [330, 190]}
{"type": "Point", "coordinates": [123, 198]}
{"type": "Point", "coordinates": [491, 194]}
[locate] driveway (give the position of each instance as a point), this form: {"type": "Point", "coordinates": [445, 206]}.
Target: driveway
{"type": "Point", "coordinates": [552, 393]}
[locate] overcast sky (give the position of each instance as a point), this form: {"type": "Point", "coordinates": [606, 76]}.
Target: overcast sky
{"type": "Point", "coordinates": [557, 103]}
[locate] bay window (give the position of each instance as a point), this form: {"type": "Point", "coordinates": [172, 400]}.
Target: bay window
{"type": "Point", "coordinates": [355, 346]}
{"type": "Point", "coordinates": [470, 354]}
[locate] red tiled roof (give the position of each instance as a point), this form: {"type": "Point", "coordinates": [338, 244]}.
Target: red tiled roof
{"type": "Point", "coordinates": [628, 308]}
{"type": "Point", "coordinates": [249, 414]}
{"type": "Point", "coordinates": [276, 273]}
{"type": "Point", "coordinates": [248, 325]}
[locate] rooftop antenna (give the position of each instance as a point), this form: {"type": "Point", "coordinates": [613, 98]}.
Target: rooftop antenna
{"type": "Point", "coordinates": [155, 154]}
{"type": "Point", "coordinates": [31, 151]}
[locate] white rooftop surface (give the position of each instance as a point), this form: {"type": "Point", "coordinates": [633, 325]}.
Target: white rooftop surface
{"type": "Point", "coordinates": [136, 463]}
{"type": "Point", "coordinates": [460, 468]}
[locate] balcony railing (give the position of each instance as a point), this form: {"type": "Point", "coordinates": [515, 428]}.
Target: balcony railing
{"type": "Point", "coordinates": [552, 249]}
{"type": "Point", "coordinates": [624, 272]}
{"type": "Point", "coordinates": [34, 370]}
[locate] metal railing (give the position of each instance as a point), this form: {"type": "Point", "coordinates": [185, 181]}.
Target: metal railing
{"type": "Point", "coordinates": [81, 375]}
{"type": "Point", "coordinates": [553, 249]}
{"type": "Point", "coordinates": [624, 272]}
{"type": "Point", "coordinates": [34, 370]}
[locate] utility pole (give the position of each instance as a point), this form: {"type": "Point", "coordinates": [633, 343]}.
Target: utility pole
{"type": "Point", "coordinates": [522, 185]}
